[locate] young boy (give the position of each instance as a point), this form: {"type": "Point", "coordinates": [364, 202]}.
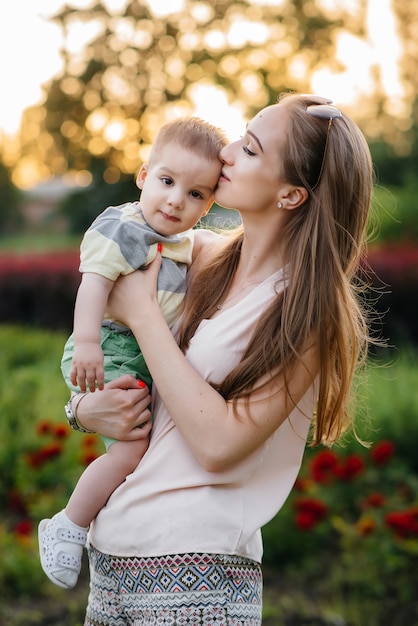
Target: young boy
{"type": "Point", "coordinates": [177, 188]}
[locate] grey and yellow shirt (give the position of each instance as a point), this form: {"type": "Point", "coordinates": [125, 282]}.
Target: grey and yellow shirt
{"type": "Point", "coordinates": [120, 241]}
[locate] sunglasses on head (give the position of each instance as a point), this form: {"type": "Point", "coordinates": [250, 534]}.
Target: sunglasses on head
{"type": "Point", "coordinates": [323, 109]}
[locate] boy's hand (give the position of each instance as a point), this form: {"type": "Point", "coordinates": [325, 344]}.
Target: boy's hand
{"type": "Point", "coordinates": [87, 367]}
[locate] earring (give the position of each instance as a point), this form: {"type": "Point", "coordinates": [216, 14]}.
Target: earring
{"type": "Point", "coordinates": [279, 205]}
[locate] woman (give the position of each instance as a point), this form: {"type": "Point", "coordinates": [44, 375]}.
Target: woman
{"type": "Point", "coordinates": [270, 335]}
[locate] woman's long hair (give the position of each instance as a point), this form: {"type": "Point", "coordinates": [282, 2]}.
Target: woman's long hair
{"type": "Point", "coordinates": [322, 245]}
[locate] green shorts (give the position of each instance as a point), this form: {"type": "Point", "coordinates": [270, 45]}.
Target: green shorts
{"type": "Point", "coordinates": [121, 356]}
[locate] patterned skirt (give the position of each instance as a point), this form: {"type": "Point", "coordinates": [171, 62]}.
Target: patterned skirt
{"type": "Point", "coordinates": [180, 590]}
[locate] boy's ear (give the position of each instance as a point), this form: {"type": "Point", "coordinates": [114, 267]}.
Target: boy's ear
{"type": "Point", "coordinates": [208, 206]}
{"type": "Point", "coordinates": [141, 176]}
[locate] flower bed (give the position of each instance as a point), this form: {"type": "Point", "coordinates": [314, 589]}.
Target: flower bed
{"type": "Point", "coordinates": [39, 289]}
{"type": "Point", "coordinates": [395, 283]}
{"type": "Point", "coordinates": [351, 526]}
{"type": "Point", "coordinates": [344, 544]}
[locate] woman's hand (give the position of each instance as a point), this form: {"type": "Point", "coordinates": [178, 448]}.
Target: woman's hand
{"type": "Point", "coordinates": [133, 294]}
{"type": "Point", "coordinates": [118, 410]}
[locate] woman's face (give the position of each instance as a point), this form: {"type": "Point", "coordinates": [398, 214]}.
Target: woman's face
{"type": "Point", "coordinates": [251, 175]}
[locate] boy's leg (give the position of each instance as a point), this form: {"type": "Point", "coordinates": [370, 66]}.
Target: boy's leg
{"type": "Point", "coordinates": [61, 546]}
{"type": "Point", "coordinates": [62, 538]}
{"type": "Point", "coordinates": [101, 478]}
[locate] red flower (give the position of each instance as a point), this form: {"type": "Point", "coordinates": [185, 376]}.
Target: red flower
{"type": "Point", "coordinates": [23, 528]}
{"type": "Point", "coordinates": [305, 520]}
{"type": "Point", "coordinates": [349, 468]}
{"type": "Point", "coordinates": [404, 523]}
{"type": "Point", "coordinates": [50, 451]}
{"type": "Point", "coordinates": [382, 452]}
{"type": "Point", "coordinates": [374, 500]}
{"type": "Point", "coordinates": [46, 453]}
{"type": "Point", "coordinates": [16, 502]}
{"type": "Point", "coordinates": [88, 457]}
{"type": "Point", "coordinates": [310, 511]}
{"type": "Point", "coordinates": [89, 441]}
{"type": "Point", "coordinates": [34, 460]}
{"type": "Point", "coordinates": [322, 466]}
{"type": "Point", "coordinates": [61, 431]}
{"type": "Point", "coordinates": [43, 427]}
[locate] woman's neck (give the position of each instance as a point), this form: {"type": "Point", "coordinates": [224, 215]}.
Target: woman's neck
{"type": "Point", "coordinates": [255, 265]}
{"type": "Point", "coordinates": [260, 257]}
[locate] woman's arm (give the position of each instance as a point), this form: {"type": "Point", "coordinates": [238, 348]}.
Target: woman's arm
{"type": "Point", "coordinates": [117, 411]}
{"type": "Point", "coordinates": [218, 434]}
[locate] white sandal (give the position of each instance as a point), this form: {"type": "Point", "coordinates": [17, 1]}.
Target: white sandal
{"type": "Point", "coordinates": [61, 546]}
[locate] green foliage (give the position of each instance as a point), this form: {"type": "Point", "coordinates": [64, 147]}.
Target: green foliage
{"type": "Point", "coordinates": [40, 459]}
{"type": "Point", "coordinates": [338, 556]}
{"type": "Point", "coordinates": [352, 535]}
{"type": "Point", "coordinates": [31, 394]}
{"type": "Point", "coordinates": [395, 209]}
{"type": "Point", "coordinates": [18, 576]}
{"type": "Point", "coordinates": [395, 196]}
{"type": "Point", "coordinates": [34, 243]}
{"type": "Point", "coordinates": [350, 526]}
{"type": "Point", "coordinates": [393, 169]}
{"type": "Point", "coordinates": [10, 200]}
{"type": "Point", "coordinates": [82, 207]}
{"type": "Point", "coordinates": [391, 402]}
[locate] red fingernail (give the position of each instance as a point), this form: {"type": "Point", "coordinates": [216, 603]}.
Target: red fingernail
{"type": "Point", "coordinates": [159, 247]}
{"type": "Point", "coordinates": [141, 385]}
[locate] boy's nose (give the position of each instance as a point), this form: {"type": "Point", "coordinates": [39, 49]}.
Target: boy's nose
{"type": "Point", "coordinates": [176, 199]}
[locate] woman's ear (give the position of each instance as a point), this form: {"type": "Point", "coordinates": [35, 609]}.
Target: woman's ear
{"type": "Point", "coordinates": [292, 197]}
{"type": "Point", "coordinates": [142, 174]}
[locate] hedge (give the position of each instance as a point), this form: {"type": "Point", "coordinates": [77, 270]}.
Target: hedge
{"type": "Point", "coordinates": [39, 289]}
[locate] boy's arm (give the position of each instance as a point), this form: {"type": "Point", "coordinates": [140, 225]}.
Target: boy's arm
{"type": "Point", "coordinates": [91, 301]}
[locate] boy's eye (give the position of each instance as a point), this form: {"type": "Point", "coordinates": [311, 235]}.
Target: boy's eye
{"type": "Point", "coordinates": [167, 181]}
{"type": "Point", "coordinates": [196, 194]}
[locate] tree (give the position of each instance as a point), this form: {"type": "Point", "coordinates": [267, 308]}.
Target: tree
{"type": "Point", "coordinates": [10, 199]}
{"type": "Point", "coordinates": [142, 68]}
{"type": "Point", "coordinates": [395, 150]}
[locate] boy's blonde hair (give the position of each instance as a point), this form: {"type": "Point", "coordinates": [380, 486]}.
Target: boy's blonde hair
{"type": "Point", "coordinates": [193, 134]}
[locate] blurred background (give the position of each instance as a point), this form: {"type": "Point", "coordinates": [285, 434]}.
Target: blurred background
{"type": "Point", "coordinates": [85, 86]}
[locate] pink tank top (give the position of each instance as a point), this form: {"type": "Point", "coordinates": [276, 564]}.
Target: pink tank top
{"type": "Point", "coordinates": [170, 504]}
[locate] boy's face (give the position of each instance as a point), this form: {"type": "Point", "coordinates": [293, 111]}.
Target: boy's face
{"type": "Point", "coordinates": [177, 189]}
